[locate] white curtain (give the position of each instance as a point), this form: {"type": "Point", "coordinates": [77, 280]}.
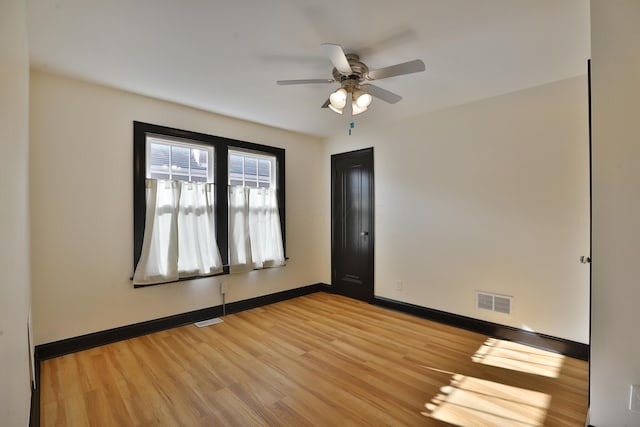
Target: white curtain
{"type": "Point", "coordinates": [240, 258]}
{"type": "Point", "coordinates": [255, 237]}
{"type": "Point", "coordinates": [179, 236]}
{"type": "Point", "coordinates": [198, 253]}
{"type": "Point", "coordinates": [159, 258]}
{"type": "Point", "coordinates": [264, 228]}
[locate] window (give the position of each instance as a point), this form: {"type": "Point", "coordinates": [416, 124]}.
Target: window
{"type": "Point", "coordinates": [255, 238]}
{"type": "Point", "coordinates": [168, 162]}
{"type": "Point", "coordinates": [179, 239]}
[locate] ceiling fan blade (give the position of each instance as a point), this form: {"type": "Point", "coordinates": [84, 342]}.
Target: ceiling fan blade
{"type": "Point", "coordinates": [337, 57]}
{"type": "Point", "coordinates": [414, 66]}
{"type": "Point", "coordinates": [326, 103]}
{"type": "Point", "coordinates": [303, 82]}
{"type": "Point", "coordinates": [383, 94]}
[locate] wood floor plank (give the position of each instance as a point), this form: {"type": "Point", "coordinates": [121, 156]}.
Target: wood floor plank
{"type": "Point", "coordinates": [316, 360]}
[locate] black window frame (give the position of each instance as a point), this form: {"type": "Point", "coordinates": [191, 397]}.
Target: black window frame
{"type": "Point", "coordinates": [221, 146]}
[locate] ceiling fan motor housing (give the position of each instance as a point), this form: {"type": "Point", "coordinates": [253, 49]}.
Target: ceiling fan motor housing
{"type": "Point", "coordinates": [358, 72]}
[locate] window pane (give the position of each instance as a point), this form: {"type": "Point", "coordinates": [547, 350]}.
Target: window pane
{"type": "Point", "coordinates": [159, 160]}
{"type": "Point", "coordinates": [250, 167]}
{"type": "Point", "coordinates": [235, 164]}
{"type": "Point", "coordinates": [198, 163]}
{"type": "Point", "coordinates": [263, 168]}
{"type": "Point", "coordinates": [180, 160]}
{"type": "Point", "coordinates": [250, 171]}
{"type": "Point", "coordinates": [236, 170]}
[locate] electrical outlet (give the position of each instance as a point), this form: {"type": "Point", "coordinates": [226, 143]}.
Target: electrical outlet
{"type": "Point", "coordinates": [223, 288]}
{"type": "Point", "coordinates": [399, 285]}
{"type": "Point", "coordinates": [634, 398]}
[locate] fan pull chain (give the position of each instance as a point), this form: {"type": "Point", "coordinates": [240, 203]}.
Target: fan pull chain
{"type": "Point", "coordinates": [351, 126]}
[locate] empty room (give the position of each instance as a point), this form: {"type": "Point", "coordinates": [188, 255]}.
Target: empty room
{"type": "Point", "coordinates": [319, 213]}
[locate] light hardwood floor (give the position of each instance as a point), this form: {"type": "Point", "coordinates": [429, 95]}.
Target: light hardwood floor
{"type": "Point", "coordinates": [321, 360]}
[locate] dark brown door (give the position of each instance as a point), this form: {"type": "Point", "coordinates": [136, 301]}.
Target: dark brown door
{"type": "Point", "coordinates": [352, 223]}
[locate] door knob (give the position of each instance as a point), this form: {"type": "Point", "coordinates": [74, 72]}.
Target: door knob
{"type": "Point", "coordinates": [364, 233]}
{"type": "Point", "coordinates": [585, 259]}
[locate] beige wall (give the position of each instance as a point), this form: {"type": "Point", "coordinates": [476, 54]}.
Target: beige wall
{"type": "Point", "coordinates": [14, 215]}
{"type": "Point", "coordinates": [615, 350]}
{"type": "Point", "coordinates": [492, 196]}
{"type": "Point", "coordinates": [81, 209]}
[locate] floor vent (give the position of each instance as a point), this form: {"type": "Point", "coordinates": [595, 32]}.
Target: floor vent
{"type": "Point", "coordinates": [493, 302]}
{"type": "Point", "coordinates": [209, 322]}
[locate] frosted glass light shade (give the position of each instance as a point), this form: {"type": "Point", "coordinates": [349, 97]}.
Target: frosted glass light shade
{"type": "Point", "coordinates": [356, 109]}
{"type": "Point", "coordinates": [338, 99]}
{"type": "Point", "coordinates": [362, 98]}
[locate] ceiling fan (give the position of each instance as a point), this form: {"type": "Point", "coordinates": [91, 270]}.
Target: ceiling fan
{"type": "Point", "coordinates": [353, 77]}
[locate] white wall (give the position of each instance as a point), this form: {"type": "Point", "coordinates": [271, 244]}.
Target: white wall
{"type": "Point", "coordinates": [15, 388]}
{"type": "Point", "coordinates": [81, 209]}
{"type": "Point", "coordinates": [615, 350]}
{"type": "Point", "coordinates": [492, 196]}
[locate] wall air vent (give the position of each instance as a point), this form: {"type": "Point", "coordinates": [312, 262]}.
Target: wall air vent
{"type": "Point", "coordinates": [493, 302]}
{"type": "Point", "coordinates": [484, 301]}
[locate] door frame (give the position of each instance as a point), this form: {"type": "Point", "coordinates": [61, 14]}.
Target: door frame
{"type": "Point", "coordinates": [371, 258]}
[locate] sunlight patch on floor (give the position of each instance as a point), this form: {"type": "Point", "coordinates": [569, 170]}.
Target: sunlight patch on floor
{"type": "Point", "coordinates": [519, 357]}
{"type": "Point", "coordinates": [470, 401]}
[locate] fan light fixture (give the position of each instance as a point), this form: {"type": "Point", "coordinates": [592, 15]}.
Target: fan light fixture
{"type": "Point", "coordinates": [360, 100]}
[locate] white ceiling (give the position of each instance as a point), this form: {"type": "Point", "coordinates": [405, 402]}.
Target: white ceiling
{"type": "Point", "coordinates": [225, 56]}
